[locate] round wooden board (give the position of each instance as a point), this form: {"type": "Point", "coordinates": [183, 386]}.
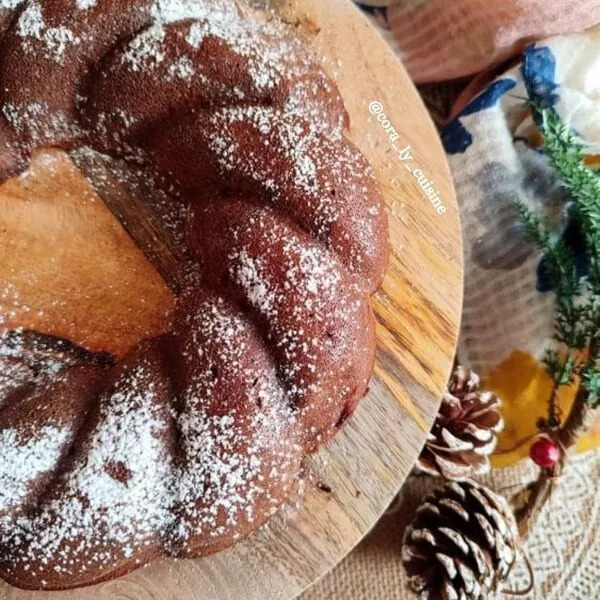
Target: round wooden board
{"type": "Point", "coordinates": [418, 311]}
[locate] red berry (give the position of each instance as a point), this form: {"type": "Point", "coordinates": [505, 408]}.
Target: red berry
{"type": "Point", "coordinates": [545, 453]}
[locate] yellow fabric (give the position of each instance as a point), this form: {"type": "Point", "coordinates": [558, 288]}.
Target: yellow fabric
{"type": "Point", "coordinates": [524, 387]}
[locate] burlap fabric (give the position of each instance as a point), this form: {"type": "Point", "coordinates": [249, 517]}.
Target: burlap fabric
{"type": "Point", "coordinates": [564, 547]}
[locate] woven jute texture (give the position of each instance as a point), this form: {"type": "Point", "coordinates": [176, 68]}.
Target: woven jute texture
{"type": "Point", "coordinates": [564, 548]}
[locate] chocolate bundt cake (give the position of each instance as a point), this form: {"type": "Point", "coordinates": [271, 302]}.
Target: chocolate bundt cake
{"type": "Point", "coordinates": [193, 438]}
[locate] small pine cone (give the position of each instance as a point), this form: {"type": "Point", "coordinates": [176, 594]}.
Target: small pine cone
{"type": "Point", "coordinates": [461, 545]}
{"type": "Point", "coordinates": [465, 431]}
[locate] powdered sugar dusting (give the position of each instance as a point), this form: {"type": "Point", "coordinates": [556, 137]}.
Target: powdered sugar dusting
{"type": "Point", "coordinates": [31, 22]}
{"type": "Point", "coordinates": [250, 274]}
{"type": "Point", "coordinates": [10, 4]}
{"type": "Point", "coordinates": [322, 300]}
{"type": "Point", "coordinates": [130, 434]}
{"type": "Point", "coordinates": [182, 68]}
{"type": "Point", "coordinates": [229, 484]}
{"type": "Point", "coordinates": [31, 25]}
{"type": "Point", "coordinates": [115, 493]}
{"type": "Point", "coordinates": [27, 359]}
{"type": "Point", "coordinates": [267, 62]}
{"type": "Point", "coordinates": [291, 160]}
{"type": "Point", "coordinates": [85, 4]}
{"type": "Point", "coordinates": [125, 491]}
{"type": "Point", "coordinates": [145, 51]}
{"type": "Point", "coordinates": [170, 11]}
{"type": "Point", "coordinates": [11, 305]}
{"type": "Point", "coordinates": [38, 122]}
{"type": "Point", "coordinates": [57, 41]}
{"type": "Point", "coordinates": [24, 458]}
{"type": "Point", "coordinates": [319, 182]}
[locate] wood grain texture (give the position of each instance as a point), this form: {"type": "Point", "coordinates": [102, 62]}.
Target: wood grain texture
{"type": "Point", "coordinates": [418, 311]}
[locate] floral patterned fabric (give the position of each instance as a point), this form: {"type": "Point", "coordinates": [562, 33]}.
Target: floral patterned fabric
{"type": "Point", "coordinates": [494, 152]}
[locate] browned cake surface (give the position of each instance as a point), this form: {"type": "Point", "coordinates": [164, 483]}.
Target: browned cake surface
{"type": "Point", "coordinates": [194, 438]}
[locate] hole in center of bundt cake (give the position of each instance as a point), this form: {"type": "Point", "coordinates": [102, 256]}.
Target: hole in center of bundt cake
{"type": "Point", "coordinates": [68, 266]}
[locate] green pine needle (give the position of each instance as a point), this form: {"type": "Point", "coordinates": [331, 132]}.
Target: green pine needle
{"type": "Point", "coordinates": [566, 156]}
{"type": "Point", "coordinates": [559, 260]}
{"type": "Point", "coordinates": [577, 314]}
{"type": "Point", "coordinates": [591, 378]}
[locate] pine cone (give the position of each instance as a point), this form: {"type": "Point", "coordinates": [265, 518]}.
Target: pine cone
{"type": "Point", "coordinates": [465, 431]}
{"type": "Point", "coordinates": [461, 544]}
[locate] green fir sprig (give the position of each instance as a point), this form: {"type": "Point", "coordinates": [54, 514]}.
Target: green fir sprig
{"type": "Point", "coordinates": [577, 313]}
